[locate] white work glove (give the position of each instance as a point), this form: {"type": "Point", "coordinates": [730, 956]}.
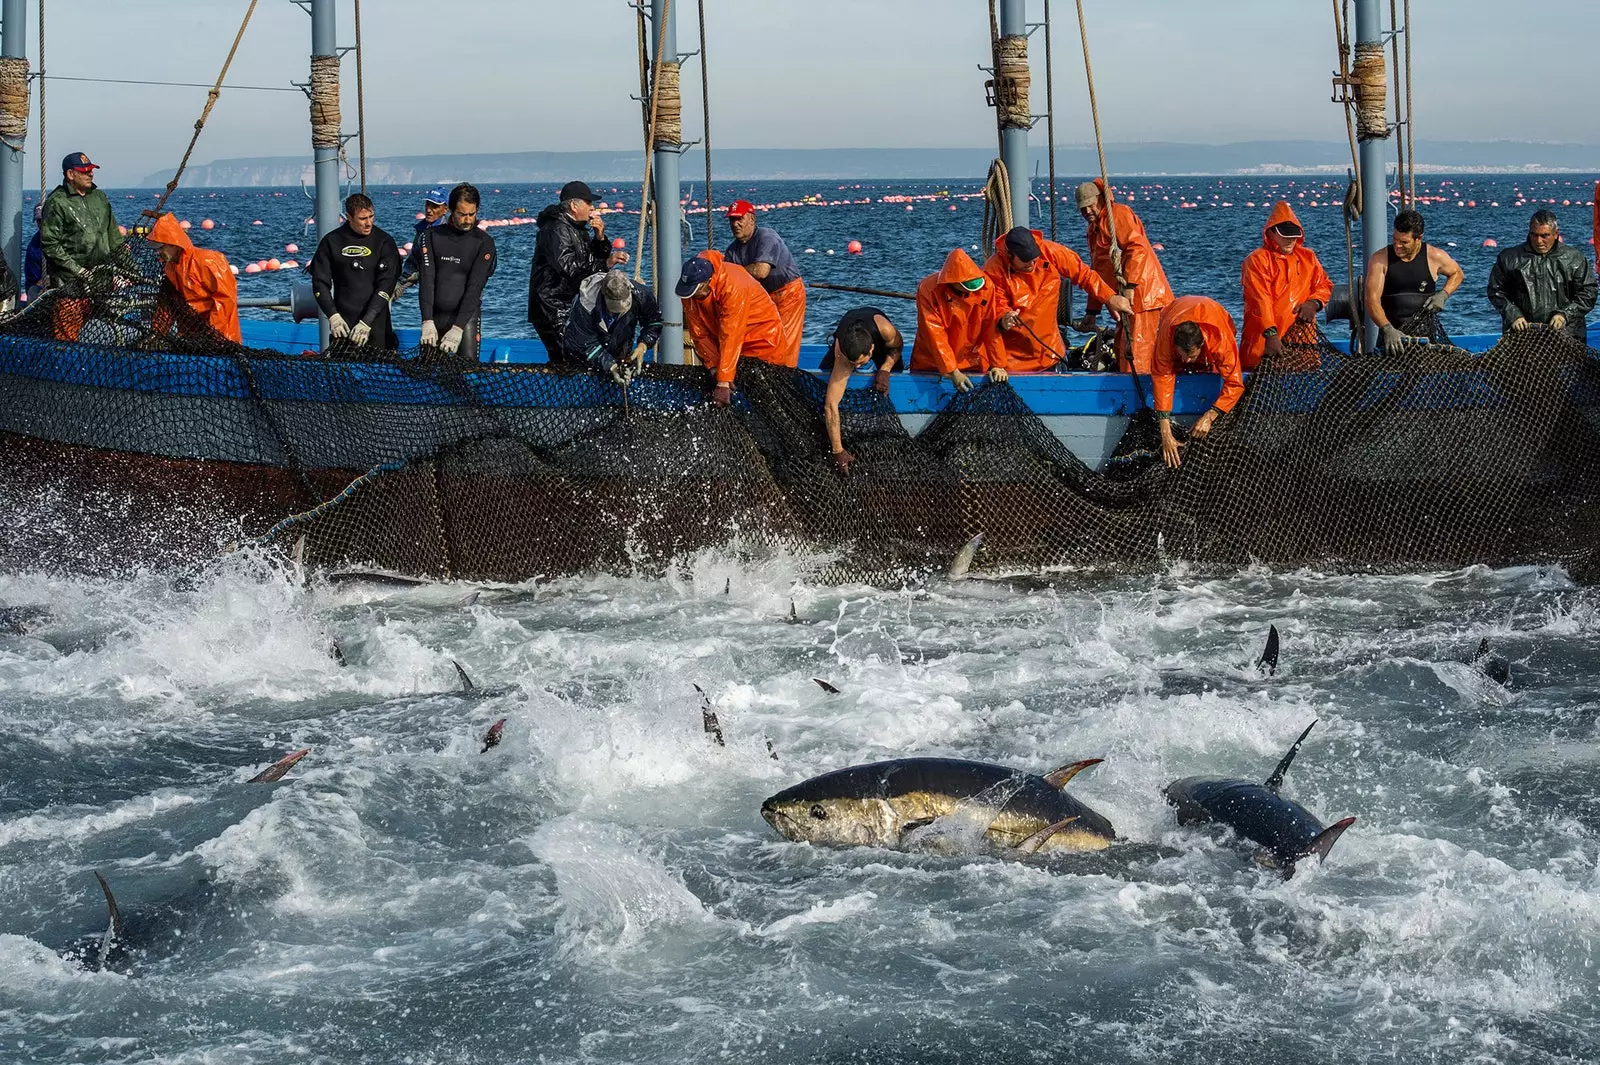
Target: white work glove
{"type": "Point", "coordinates": [637, 358]}
{"type": "Point", "coordinates": [1520, 324]}
{"type": "Point", "coordinates": [338, 328]}
{"type": "Point", "coordinates": [451, 340]}
{"type": "Point", "coordinates": [997, 375]}
{"type": "Point", "coordinates": [1558, 321]}
{"type": "Point", "coordinates": [1390, 338]}
{"type": "Point", "coordinates": [959, 379]}
{"type": "Point", "coordinates": [430, 334]}
{"type": "Point", "coordinates": [360, 333]}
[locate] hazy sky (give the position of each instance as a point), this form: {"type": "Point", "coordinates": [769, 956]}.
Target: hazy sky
{"type": "Point", "coordinates": [518, 75]}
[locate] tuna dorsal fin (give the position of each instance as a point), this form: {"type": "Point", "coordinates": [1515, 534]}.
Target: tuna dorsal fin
{"type": "Point", "coordinates": [1327, 838]}
{"type": "Point", "coordinates": [1275, 781]}
{"type": "Point", "coordinates": [274, 772]}
{"type": "Point", "coordinates": [1032, 844]}
{"type": "Point", "coordinates": [825, 686]}
{"type": "Point", "coordinates": [115, 929]}
{"type": "Point", "coordinates": [1059, 778]}
{"type": "Point", "coordinates": [1269, 654]}
{"type": "Point", "coordinates": [467, 687]}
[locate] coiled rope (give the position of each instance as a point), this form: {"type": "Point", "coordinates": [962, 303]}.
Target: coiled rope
{"type": "Point", "coordinates": [1370, 80]}
{"type": "Point", "coordinates": [325, 117]}
{"type": "Point", "coordinates": [1011, 81]}
{"type": "Point", "coordinates": [997, 217]}
{"type": "Point", "coordinates": [14, 101]}
{"type": "Point", "coordinates": [205, 113]}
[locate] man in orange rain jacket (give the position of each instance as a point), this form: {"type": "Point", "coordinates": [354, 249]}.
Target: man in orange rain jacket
{"type": "Point", "coordinates": [729, 314]}
{"type": "Point", "coordinates": [1285, 287]}
{"type": "Point", "coordinates": [762, 252]}
{"type": "Point", "coordinates": [958, 315]}
{"type": "Point", "coordinates": [199, 277]}
{"type": "Point", "coordinates": [1194, 335]}
{"type": "Point", "coordinates": [1141, 271]}
{"type": "Point", "coordinates": [1026, 271]}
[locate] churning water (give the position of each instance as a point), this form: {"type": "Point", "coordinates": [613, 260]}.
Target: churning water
{"type": "Point", "coordinates": [601, 888]}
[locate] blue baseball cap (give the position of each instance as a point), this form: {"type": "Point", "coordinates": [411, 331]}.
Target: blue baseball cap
{"type": "Point", "coordinates": [77, 161]}
{"type": "Point", "coordinates": [696, 272]}
{"type": "Point", "coordinates": [438, 195]}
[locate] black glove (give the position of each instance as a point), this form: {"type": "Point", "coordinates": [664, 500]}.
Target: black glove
{"type": "Point", "coordinates": [842, 460]}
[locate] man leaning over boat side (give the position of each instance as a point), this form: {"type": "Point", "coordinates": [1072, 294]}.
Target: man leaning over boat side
{"type": "Point", "coordinates": [1146, 282]}
{"type": "Point", "coordinates": [760, 250]}
{"type": "Point", "coordinates": [1544, 281]}
{"type": "Point", "coordinates": [458, 259]}
{"type": "Point", "coordinates": [1285, 287]}
{"type": "Point", "coordinates": [958, 319]}
{"type": "Point", "coordinates": [729, 316]}
{"type": "Point", "coordinates": [614, 320]}
{"type": "Point", "coordinates": [565, 253]}
{"type": "Point", "coordinates": [863, 335]}
{"type": "Point", "coordinates": [1403, 280]}
{"type": "Point", "coordinates": [353, 276]}
{"type": "Point", "coordinates": [81, 242]}
{"type": "Point", "coordinates": [1195, 335]}
{"type": "Point", "coordinates": [198, 278]}
{"type": "Point", "coordinates": [1026, 271]}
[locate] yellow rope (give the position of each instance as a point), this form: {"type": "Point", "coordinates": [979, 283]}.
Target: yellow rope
{"type": "Point", "coordinates": [1100, 147]}
{"type": "Point", "coordinates": [211, 101]}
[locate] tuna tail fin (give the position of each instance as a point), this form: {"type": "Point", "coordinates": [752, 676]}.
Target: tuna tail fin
{"type": "Point", "coordinates": [1327, 838]}
{"type": "Point", "coordinates": [1032, 844]}
{"type": "Point", "coordinates": [1275, 781]}
{"type": "Point", "coordinates": [115, 930]}
{"type": "Point", "coordinates": [467, 687]}
{"type": "Point", "coordinates": [1059, 778]}
{"type": "Point", "coordinates": [274, 772]}
{"type": "Point", "coordinates": [1269, 655]}
{"type": "Point", "coordinates": [963, 560]}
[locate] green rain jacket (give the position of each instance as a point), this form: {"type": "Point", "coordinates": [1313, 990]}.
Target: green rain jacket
{"type": "Point", "coordinates": [78, 233]}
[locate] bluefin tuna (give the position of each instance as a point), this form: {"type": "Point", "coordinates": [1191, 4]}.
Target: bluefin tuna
{"type": "Point", "coordinates": [889, 804]}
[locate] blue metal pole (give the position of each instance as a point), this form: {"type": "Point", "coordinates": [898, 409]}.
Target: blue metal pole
{"type": "Point", "coordinates": [1014, 142]}
{"type": "Point", "coordinates": [669, 235]}
{"type": "Point", "coordinates": [324, 27]}
{"type": "Point", "coordinates": [1374, 167]}
{"type": "Point", "coordinates": [13, 44]}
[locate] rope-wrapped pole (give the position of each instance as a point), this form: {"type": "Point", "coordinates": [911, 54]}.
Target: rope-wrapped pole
{"type": "Point", "coordinates": [13, 131]}
{"type": "Point", "coordinates": [1011, 83]}
{"type": "Point", "coordinates": [325, 120]}
{"type": "Point", "coordinates": [1369, 78]}
{"type": "Point", "coordinates": [666, 125]}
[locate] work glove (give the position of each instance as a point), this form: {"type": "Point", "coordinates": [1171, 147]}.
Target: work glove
{"type": "Point", "coordinates": [338, 328]}
{"type": "Point", "coordinates": [621, 374]}
{"type": "Point", "coordinates": [1436, 301]}
{"type": "Point", "coordinates": [1520, 324]}
{"type": "Point", "coordinates": [360, 333]}
{"type": "Point", "coordinates": [638, 358]}
{"type": "Point", "coordinates": [842, 460]}
{"type": "Point", "coordinates": [430, 334]}
{"type": "Point", "coordinates": [997, 375]}
{"type": "Point", "coordinates": [451, 340]}
{"type": "Point", "coordinates": [1390, 338]}
{"type": "Point", "coordinates": [1558, 321]}
{"type": "Point", "coordinates": [722, 395]}
{"type": "Point", "coordinates": [1307, 311]}
{"type": "Point", "coordinates": [959, 379]}
{"type": "Point", "coordinates": [880, 380]}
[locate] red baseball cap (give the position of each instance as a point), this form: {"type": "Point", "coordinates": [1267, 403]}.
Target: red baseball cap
{"type": "Point", "coordinates": [740, 208]}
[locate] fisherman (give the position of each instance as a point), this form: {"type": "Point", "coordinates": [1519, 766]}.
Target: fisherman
{"type": "Point", "coordinates": [353, 275]}
{"type": "Point", "coordinates": [1026, 271]}
{"type": "Point", "coordinates": [1194, 335]}
{"type": "Point", "coordinates": [863, 335]}
{"type": "Point", "coordinates": [958, 316]}
{"type": "Point", "coordinates": [458, 259]}
{"type": "Point", "coordinates": [1285, 287]}
{"type": "Point", "coordinates": [434, 208]}
{"type": "Point", "coordinates": [614, 320]}
{"type": "Point", "coordinates": [197, 277]}
{"type": "Point", "coordinates": [35, 275]}
{"type": "Point", "coordinates": [565, 254]}
{"type": "Point", "coordinates": [1403, 280]}
{"type": "Point", "coordinates": [1144, 281]}
{"type": "Point", "coordinates": [729, 315]}
{"type": "Point", "coordinates": [81, 241]}
{"type": "Point", "coordinates": [761, 251]}
{"type": "Point", "coordinates": [1544, 281]}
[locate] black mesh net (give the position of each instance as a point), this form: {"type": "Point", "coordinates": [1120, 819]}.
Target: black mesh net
{"type": "Point", "coordinates": [134, 435]}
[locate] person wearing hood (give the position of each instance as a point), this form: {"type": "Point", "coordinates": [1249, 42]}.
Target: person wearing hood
{"type": "Point", "coordinates": [614, 320]}
{"type": "Point", "coordinates": [958, 319]}
{"type": "Point", "coordinates": [1026, 271]}
{"type": "Point", "coordinates": [761, 251]}
{"type": "Point", "coordinates": [1544, 282]}
{"type": "Point", "coordinates": [1285, 287]}
{"type": "Point", "coordinates": [458, 259]}
{"type": "Point", "coordinates": [80, 238]}
{"type": "Point", "coordinates": [1195, 335]}
{"type": "Point", "coordinates": [1145, 281]}
{"type": "Point", "coordinates": [353, 276]}
{"type": "Point", "coordinates": [566, 252]}
{"type": "Point", "coordinates": [198, 277]}
{"type": "Point", "coordinates": [729, 316]}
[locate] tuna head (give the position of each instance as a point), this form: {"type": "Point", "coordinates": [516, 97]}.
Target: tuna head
{"type": "Point", "coordinates": [835, 821]}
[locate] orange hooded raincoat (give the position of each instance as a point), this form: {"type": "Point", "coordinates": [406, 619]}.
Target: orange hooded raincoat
{"type": "Point", "coordinates": [1221, 352]}
{"type": "Point", "coordinates": [1140, 268]}
{"type": "Point", "coordinates": [1275, 284]}
{"type": "Point", "coordinates": [956, 329]}
{"type": "Point", "coordinates": [736, 318]}
{"type": "Point", "coordinates": [1035, 296]}
{"type": "Point", "coordinates": [201, 278]}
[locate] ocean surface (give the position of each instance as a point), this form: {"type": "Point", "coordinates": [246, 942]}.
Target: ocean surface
{"type": "Point", "coordinates": [600, 887]}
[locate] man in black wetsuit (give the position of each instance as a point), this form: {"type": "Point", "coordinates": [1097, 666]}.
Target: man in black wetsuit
{"type": "Point", "coordinates": [1403, 280]}
{"type": "Point", "coordinates": [565, 254]}
{"type": "Point", "coordinates": [353, 274]}
{"type": "Point", "coordinates": [863, 335]}
{"type": "Point", "coordinates": [458, 259]}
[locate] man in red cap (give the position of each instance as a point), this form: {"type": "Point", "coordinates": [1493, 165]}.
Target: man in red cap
{"type": "Point", "coordinates": [79, 236]}
{"type": "Point", "coordinates": [763, 253]}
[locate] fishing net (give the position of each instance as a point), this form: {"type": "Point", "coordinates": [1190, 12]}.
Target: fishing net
{"type": "Point", "coordinates": [132, 435]}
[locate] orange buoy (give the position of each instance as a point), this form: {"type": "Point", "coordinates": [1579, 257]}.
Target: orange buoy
{"type": "Point", "coordinates": [208, 224]}
{"type": "Point", "coordinates": [854, 247]}
{"type": "Point", "coordinates": [253, 268]}
{"type": "Point", "coordinates": [274, 264]}
{"type": "Point", "coordinates": [1491, 243]}
{"type": "Point", "coordinates": [184, 224]}
{"type": "Point", "coordinates": [257, 222]}
{"type": "Point", "coordinates": [618, 243]}
{"type": "Point", "coordinates": [292, 249]}
{"type": "Point", "coordinates": [1158, 247]}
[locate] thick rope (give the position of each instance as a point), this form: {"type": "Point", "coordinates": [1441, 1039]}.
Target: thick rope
{"type": "Point", "coordinates": [650, 140]}
{"type": "Point", "coordinates": [1371, 83]}
{"type": "Point", "coordinates": [1011, 81]}
{"type": "Point", "coordinates": [325, 117]}
{"type": "Point", "coordinates": [361, 103]}
{"type": "Point", "coordinates": [669, 107]}
{"type": "Point", "coordinates": [705, 107]}
{"type": "Point", "coordinates": [997, 217]}
{"type": "Point", "coordinates": [205, 113]}
{"type": "Point", "coordinates": [1341, 35]}
{"type": "Point", "coordinates": [14, 101]}
{"type": "Point", "coordinates": [1100, 147]}
{"type": "Point", "coordinates": [1050, 117]}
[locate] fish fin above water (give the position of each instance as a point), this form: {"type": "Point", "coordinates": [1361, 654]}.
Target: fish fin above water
{"type": "Point", "coordinates": [467, 687]}
{"type": "Point", "coordinates": [1032, 844]}
{"type": "Point", "coordinates": [1327, 838]}
{"type": "Point", "coordinates": [794, 615]}
{"type": "Point", "coordinates": [1269, 654]}
{"type": "Point", "coordinates": [116, 927]}
{"type": "Point", "coordinates": [274, 772]}
{"type": "Point", "coordinates": [1481, 653]}
{"type": "Point", "coordinates": [825, 686]}
{"type": "Point", "coordinates": [963, 560]}
{"type": "Point", "coordinates": [1275, 781]}
{"type": "Point", "coordinates": [772, 752]}
{"type": "Point", "coordinates": [1490, 665]}
{"type": "Point", "coordinates": [492, 737]}
{"type": "Point", "coordinates": [1060, 778]}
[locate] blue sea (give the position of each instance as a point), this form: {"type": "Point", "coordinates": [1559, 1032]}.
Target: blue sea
{"type": "Point", "coordinates": [600, 887]}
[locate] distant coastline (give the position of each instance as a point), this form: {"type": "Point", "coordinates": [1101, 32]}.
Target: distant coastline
{"type": "Point", "coordinates": [1244, 159]}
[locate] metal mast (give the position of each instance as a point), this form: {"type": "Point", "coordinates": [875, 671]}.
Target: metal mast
{"type": "Point", "coordinates": [1374, 157]}
{"type": "Point", "coordinates": [668, 223]}
{"type": "Point", "coordinates": [1014, 140]}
